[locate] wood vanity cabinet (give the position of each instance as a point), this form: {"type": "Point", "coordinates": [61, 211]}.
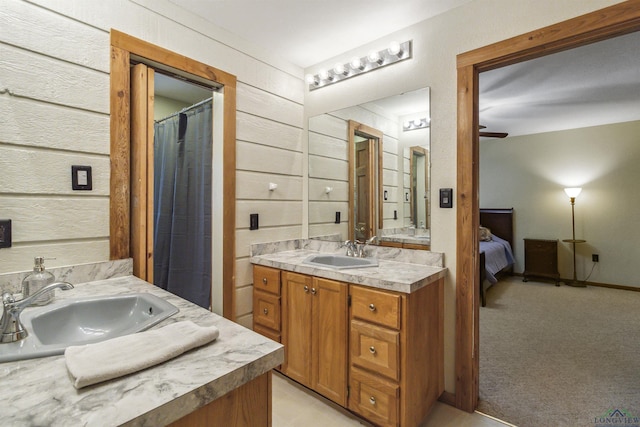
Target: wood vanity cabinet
{"type": "Point", "coordinates": [314, 333]}
{"type": "Point", "coordinates": [378, 353]}
{"type": "Point", "coordinates": [266, 302]}
{"type": "Point", "coordinates": [396, 370]}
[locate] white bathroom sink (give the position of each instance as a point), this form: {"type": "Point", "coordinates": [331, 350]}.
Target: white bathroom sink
{"type": "Point", "coordinates": [339, 262]}
{"type": "Point", "coordinates": [87, 320]}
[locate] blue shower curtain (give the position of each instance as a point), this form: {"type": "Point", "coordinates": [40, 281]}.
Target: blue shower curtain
{"type": "Point", "coordinates": [183, 145]}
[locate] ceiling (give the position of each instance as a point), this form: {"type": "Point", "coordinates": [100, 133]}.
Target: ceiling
{"type": "Point", "coordinates": [306, 32]}
{"type": "Point", "coordinates": [592, 85]}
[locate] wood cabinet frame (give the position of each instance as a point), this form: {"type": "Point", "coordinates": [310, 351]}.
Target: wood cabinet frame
{"type": "Point", "coordinates": [616, 20]}
{"type": "Point", "coordinates": [123, 220]}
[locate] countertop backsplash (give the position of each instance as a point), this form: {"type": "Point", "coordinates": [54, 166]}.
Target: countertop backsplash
{"type": "Point", "coordinates": [81, 273]}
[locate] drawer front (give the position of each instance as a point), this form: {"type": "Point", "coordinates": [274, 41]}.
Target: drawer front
{"type": "Point", "coordinates": [375, 306]}
{"type": "Point", "coordinates": [266, 310]}
{"type": "Point", "coordinates": [267, 333]}
{"type": "Point", "coordinates": [376, 349]}
{"type": "Point", "coordinates": [375, 399]}
{"type": "Point", "coordinates": [266, 279]}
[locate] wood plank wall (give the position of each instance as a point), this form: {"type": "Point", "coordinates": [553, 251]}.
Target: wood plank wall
{"type": "Point", "coordinates": [329, 167]}
{"type": "Point", "coordinates": [54, 101]}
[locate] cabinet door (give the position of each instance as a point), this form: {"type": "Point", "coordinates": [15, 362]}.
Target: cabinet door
{"type": "Point", "coordinates": [296, 327]}
{"type": "Point", "coordinates": [330, 339]}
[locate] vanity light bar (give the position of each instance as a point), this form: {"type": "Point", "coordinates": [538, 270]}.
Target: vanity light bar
{"type": "Point", "coordinates": [396, 52]}
{"type": "Point", "coordinates": [415, 124]}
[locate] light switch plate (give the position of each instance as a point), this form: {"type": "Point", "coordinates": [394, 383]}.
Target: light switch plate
{"type": "Point", "coordinates": [5, 233]}
{"type": "Point", "coordinates": [81, 178]}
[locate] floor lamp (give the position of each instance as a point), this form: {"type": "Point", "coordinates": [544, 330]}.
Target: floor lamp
{"type": "Point", "coordinates": [573, 193]}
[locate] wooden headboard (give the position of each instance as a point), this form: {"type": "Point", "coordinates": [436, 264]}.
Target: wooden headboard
{"type": "Point", "coordinates": [499, 221]}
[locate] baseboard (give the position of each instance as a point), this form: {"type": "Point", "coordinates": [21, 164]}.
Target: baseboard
{"type": "Point", "coordinates": [600, 285]}
{"type": "Point", "coordinates": [448, 398]}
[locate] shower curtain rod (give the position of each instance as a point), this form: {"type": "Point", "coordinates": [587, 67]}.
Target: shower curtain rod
{"type": "Point", "coordinates": [204, 101]}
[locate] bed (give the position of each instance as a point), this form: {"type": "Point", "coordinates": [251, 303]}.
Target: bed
{"type": "Point", "coordinates": [496, 255]}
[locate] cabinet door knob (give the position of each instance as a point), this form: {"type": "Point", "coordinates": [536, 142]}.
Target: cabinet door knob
{"type": "Point", "coordinates": [313, 291]}
{"type": "Point", "coordinates": [306, 289]}
{"type": "Point", "coordinates": [372, 307]}
{"type": "Point", "coordinates": [264, 280]}
{"type": "Point", "coordinates": [372, 400]}
{"type": "Point", "coordinates": [265, 311]}
{"type": "Point", "coordinates": [372, 350]}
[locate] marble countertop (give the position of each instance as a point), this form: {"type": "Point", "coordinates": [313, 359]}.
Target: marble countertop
{"type": "Point", "coordinates": [39, 391]}
{"type": "Point", "coordinates": [390, 274]}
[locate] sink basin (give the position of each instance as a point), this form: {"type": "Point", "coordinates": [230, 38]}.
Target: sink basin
{"type": "Point", "coordinates": [87, 320]}
{"type": "Point", "coordinates": [339, 262]}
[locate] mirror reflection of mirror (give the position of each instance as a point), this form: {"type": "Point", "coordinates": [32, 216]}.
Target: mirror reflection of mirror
{"type": "Point", "coordinates": [390, 209]}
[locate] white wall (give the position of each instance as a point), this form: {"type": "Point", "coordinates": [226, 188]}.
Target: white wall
{"type": "Point", "coordinates": [54, 83]}
{"type": "Point", "coordinates": [529, 174]}
{"type": "Point", "coordinates": [436, 42]}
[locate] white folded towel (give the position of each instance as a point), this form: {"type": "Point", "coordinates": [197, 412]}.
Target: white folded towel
{"type": "Point", "coordinates": [94, 363]}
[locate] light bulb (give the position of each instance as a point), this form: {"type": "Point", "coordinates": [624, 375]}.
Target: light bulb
{"type": "Point", "coordinates": [311, 79]}
{"type": "Point", "coordinates": [340, 69]}
{"type": "Point", "coordinates": [394, 49]}
{"type": "Point", "coordinates": [374, 56]}
{"type": "Point", "coordinates": [573, 192]}
{"type": "Point", "coordinates": [356, 64]}
{"type": "Point", "coordinates": [324, 74]}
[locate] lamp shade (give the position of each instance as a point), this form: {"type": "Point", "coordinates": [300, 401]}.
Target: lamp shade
{"type": "Point", "coordinates": [573, 192]}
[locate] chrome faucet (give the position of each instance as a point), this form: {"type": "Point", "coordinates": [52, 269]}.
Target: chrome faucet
{"type": "Point", "coordinates": [10, 325]}
{"type": "Point", "coordinates": [352, 248]}
{"type": "Point", "coordinates": [361, 248]}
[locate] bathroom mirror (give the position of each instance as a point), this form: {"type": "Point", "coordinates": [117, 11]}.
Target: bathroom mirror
{"type": "Point", "coordinates": [403, 122]}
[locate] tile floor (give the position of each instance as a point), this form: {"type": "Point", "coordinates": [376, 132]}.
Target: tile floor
{"type": "Point", "coordinates": [294, 406]}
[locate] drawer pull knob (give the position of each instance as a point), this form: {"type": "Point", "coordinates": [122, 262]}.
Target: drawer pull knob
{"type": "Point", "coordinates": [265, 311]}
{"type": "Point", "coordinates": [372, 307]}
{"type": "Point", "coordinates": [372, 350]}
{"type": "Point", "coordinates": [372, 400]}
{"type": "Point", "coordinates": [313, 291]}
{"type": "Point", "coordinates": [264, 280]}
{"type": "Point", "coordinates": [306, 289]}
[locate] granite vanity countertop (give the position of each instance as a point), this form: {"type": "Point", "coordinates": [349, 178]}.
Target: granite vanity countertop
{"type": "Point", "coordinates": [39, 392]}
{"type": "Point", "coordinates": [389, 275]}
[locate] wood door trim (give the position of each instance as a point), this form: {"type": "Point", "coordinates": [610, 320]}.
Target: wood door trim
{"type": "Point", "coordinates": [123, 47]}
{"type": "Point", "coordinates": [609, 22]}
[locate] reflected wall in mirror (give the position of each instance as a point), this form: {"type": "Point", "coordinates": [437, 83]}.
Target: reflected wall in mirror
{"type": "Point", "coordinates": [332, 206]}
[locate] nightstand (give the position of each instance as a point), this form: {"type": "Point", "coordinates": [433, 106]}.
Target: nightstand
{"type": "Point", "coordinates": [541, 259]}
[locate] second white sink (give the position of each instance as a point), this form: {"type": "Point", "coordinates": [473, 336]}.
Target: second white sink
{"type": "Point", "coordinates": [339, 262]}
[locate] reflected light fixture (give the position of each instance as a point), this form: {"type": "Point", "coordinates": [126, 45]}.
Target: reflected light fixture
{"type": "Point", "coordinates": [572, 193]}
{"type": "Point", "coordinates": [415, 124]}
{"type": "Point", "coordinates": [376, 59]}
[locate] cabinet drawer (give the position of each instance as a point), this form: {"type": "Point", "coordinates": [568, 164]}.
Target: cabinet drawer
{"type": "Point", "coordinates": [375, 349]}
{"type": "Point", "coordinates": [266, 279]}
{"type": "Point", "coordinates": [375, 306]}
{"type": "Point", "coordinates": [273, 335]}
{"type": "Point", "coordinates": [266, 310]}
{"type": "Point", "coordinates": [374, 398]}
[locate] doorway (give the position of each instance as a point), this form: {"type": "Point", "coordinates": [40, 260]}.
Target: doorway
{"type": "Point", "coordinates": [605, 23]}
{"type": "Point", "coordinates": [130, 218]}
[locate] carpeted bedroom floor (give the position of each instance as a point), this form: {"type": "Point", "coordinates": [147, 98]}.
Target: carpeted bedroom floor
{"type": "Point", "coordinates": [559, 356]}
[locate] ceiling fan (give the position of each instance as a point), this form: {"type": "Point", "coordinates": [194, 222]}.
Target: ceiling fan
{"type": "Point", "coordinates": [492, 134]}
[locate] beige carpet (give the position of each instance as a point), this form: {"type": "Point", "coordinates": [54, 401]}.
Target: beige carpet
{"type": "Point", "coordinates": [559, 356]}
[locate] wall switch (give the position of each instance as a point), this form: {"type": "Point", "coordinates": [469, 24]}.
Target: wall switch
{"type": "Point", "coordinates": [595, 257]}
{"type": "Point", "coordinates": [253, 222]}
{"type": "Point", "coordinates": [81, 178]}
{"type": "Point", "coordinates": [337, 217]}
{"type": "Point", "coordinates": [446, 197]}
{"type": "Point", "coordinates": [5, 233]}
